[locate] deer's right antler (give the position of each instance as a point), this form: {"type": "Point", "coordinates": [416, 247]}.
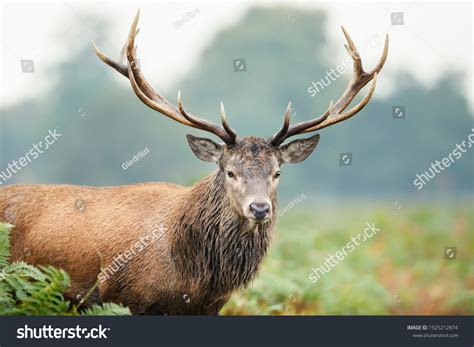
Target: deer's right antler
{"type": "Point", "coordinates": [152, 99]}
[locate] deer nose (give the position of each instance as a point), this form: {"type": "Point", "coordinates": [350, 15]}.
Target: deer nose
{"type": "Point", "coordinates": [259, 209]}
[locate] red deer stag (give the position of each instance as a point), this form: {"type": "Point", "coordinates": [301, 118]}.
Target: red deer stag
{"type": "Point", "coordinates": [214, 234]}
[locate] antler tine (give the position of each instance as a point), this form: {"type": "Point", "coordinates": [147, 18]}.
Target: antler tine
{"type": "Point", "coordinates": [123, 51]}
{"type": "Point", "coordinates": [382, 60]}
{"type": "Point", "coordinates": [298, 128]}
{"type": "Point", "coordinates": [348, 114]}
{"type": "Point", "coordinates": [120, 67]}
{"type": "Point", "coordinates": [227, 137]}
{"type": "Point", "coordinates": [352, 50]}
{"type": "Point", "coordinates": [334, 113]}
{"type": "Point", "coordinates": [117, 65]}
{"type": "Point", "coordinates": [225, 124]}
{"type": "Point", "coordinates": [357, 83]}
{"type": "Point", "coordinates": [151, 98]}
{"type": "Point", "coordinates": [278, 138]}
{"type": "Point", "coordinates": [141, 87]}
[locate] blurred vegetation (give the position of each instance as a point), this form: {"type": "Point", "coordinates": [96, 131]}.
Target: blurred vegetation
{"type": "Point", "coordinates": [400, 270]}
{"type": "Point", "coordinates": [104, 124]}
{"type": "Point", "coordinates": [29, 290]}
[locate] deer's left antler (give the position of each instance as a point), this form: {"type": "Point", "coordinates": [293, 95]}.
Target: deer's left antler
{"type": "Point", "coordinates": [333, 115]}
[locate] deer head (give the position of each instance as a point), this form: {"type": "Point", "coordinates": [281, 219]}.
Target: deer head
{"type": "Point", "coordinates": [249, 166]}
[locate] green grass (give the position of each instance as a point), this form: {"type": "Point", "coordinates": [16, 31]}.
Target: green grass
{"type": "Point", "coordinates": [400, 270]}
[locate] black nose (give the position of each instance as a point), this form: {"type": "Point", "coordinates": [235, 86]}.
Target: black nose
{"type": "Point", "coordinates": [259, 209]}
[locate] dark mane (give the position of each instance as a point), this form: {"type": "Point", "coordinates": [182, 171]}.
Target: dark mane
{"type": "Point", "coordinates": [218, 250]}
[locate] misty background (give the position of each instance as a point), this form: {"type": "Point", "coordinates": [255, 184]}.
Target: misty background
{"type": "Point", "coordinates": [284, 49]}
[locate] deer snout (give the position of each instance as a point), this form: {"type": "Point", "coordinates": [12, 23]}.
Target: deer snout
{"type": "Point", "coordinates": [260, 210]}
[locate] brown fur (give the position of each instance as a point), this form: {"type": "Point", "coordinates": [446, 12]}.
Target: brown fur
{"type": "Point", "coordinates": [208, 250]}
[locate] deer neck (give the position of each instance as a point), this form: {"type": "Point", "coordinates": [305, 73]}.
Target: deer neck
{"type": "Point", "coordinates": [214, 247]}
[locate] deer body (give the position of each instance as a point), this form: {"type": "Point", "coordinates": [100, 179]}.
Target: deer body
{"type": "Point", "coordinates": [215, 233]}
{"type": "Point", "coordinates": [192, 268]}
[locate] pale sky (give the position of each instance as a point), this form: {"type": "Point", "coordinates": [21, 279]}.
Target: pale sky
{"type": "Point", "coordinates": [435, 38]}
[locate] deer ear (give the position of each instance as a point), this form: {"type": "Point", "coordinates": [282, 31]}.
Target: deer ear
{"type": "Point", "coordinates": [298, 150]}
{"type": "Point", "coordinates": [205, 149]}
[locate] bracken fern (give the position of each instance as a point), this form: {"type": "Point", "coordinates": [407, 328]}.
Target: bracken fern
{"type": "Point", "coordinates": [29, 290]}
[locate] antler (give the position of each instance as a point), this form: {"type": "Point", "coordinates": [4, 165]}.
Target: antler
{"type": "Point", "coordinates": [152, 99]}
{"type": "Point", "coordinates": [333, 115]}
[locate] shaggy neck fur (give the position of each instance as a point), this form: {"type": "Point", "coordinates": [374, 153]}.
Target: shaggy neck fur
{"type": "Point", "coordinates": [215, 247]}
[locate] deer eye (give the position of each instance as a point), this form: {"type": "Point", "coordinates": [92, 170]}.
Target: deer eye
{"type": "Point", "coordinates": [277, 174]}
{"type": "Point", "coordinates": [230, 174]}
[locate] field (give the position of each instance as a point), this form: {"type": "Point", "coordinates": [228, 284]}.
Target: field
{"type": "Point", "coordinates": [399, 265]}
{"type": "Point", "coordinates": [402, 269]}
